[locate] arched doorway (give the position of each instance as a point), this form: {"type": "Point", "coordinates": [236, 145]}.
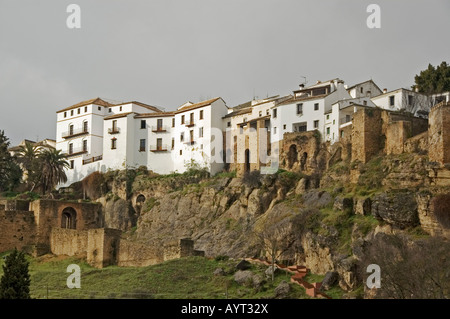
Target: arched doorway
{"type": "Point", "coordinates": [292, 155]}
{"type": "Point", "coordinates": [69, 218]}
{"type": "Point", "coordinates": [247, 160]}
{"type": "Point", "coordinates": [140, 200]}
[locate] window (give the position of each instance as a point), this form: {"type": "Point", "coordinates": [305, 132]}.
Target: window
{"type": "Point", "coordinates": [109, 110]}
{"type": "Point", "coordinates": [348, 118]}
{"type": "Point", "coordinates": [328, 116]}
{"type": "Point", "coordinates": [284, 126]}
{"type": "Point", "coordinates": [181, 152]}
{"type": "Point", "coordinates": [142, 145]}
{"type": "Point", "coordinates": [159, 144]}
{"type": "Point", "coordinates": [361, 90]}
{"type": "Point", "coordinates": [316, 124]}
{"type": "Point", "coordinates": [65, 114]}
{"type": "Point", "coordinates": [191, 118]}
{"type": "Point", "coordinates": [334, 122]}
{"type": "Point", "coordinates": [391, 100]}
{"type": "Point", "coordinates": [159, 124]}
{"type": "Point", "coordinates": [85, 109]}
{"type": "Point", "coordinates": [173, 143]}
{"type": "Point", "coordinates": [113, 143]}
{"type": "Point", "coordinates": [173, 122]}
{"type": "Point", "coordinates": [410, 100]}
{"type": "Point", "coordinates": [228, 124]}
{"type": "Point", "coordinates": [84, 145]}
{"type": "Point", "coordinates": [201, 114]}
{"type": "Point", "coordinates": [274, 130]}
{"type": "Point", "coordinates": [300, 108]}
{"type": "Point", "coordinates": [72, 164]}
{"type": "Point", "coordinates": [274, 112]}
{"type": "Point", "coordinates": [365, 102]}
{"type": "Point", "coordinates": [200, 132]}
{"type": "Point", "coordinates": [114, 125]}
{"type": "Point", "coordinates": [267, 112]}
{"type": "Point", "coordinates": [143, 124]}
{"type": "Point", "coordinates": [182, 137]}
{"type": "Point", "coordinates": [71, 112]}
{"type": "Point", "coordinates": [70, 148]}
{"type": "Point", "coordinates": [201, 146]}
{"type": "Point", "coordinates": [328, 131]}
{"type": "Point", "coordinates": [316, 106]}
{"type": "Point", "coordinates": [260, 113]}
{"type": "Point", "coordinates": [79, 111]}
{"type": "Point", "coordinates": [120, 109]}
{"type": "Point", "coordinates": [70, 129]}
{"type": "Point", "coordinates": [191, 136]}
{"type": "Point", "coordinates": [245, 120]}
{"type": "Point", "coordinates": [85, 126]}
{"type": "Point", "coordinates": [182, 119]}
{"type": "Point", "coordinates": [342, 133]}
{"type": "Point", "coordinates": [99, 108]}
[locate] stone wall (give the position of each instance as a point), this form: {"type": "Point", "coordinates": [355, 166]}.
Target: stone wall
{"type": "Point", "coordinates": [133, 254]}
{"type": "Point", "coordinates": [68, 242]}
{"type": "Point", "coordinates": [427, 218]}
{"type": "Point", "coordinates": [439, 134]}
{"type": "Point", "coordinates": [367, 139]}
{"type": "Point", "coordinates": [396, 135]}
{"type": "Point", "coordinates": [17, 230]}
{"type": "Point", "coordinates": [102, 247]}
{"type": "Point", "coordinates": [417, 144]}
{"type": "Point", "coordinates": [298, 152]}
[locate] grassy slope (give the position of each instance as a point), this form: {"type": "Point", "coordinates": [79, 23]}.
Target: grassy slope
{"type": "Point", "coordinates": [190, 277]}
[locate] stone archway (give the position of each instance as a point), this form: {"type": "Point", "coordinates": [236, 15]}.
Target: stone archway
{"type": "Point", "coordinates": [69, 218]}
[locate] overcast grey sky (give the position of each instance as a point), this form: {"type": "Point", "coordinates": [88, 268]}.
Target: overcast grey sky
{"type": "Point", "coordinates": [166, 52]}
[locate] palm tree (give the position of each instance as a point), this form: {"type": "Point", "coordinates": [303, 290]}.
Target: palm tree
{"type": "Point", "coordinates": [28, 158]}
{"type": "Point", "coordinates": [52, 171]}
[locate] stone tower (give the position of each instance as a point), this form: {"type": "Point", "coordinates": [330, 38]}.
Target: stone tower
{"type": "Point", "coordinates": [439, 133]}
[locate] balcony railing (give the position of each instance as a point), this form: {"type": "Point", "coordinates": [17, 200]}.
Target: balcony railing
{"type": "Point", "coordinates": [92, 159]}
{"type": "Point", "coordinates": [76, 151]}
{"type": "Point", "coordinates": [159, 148]}
{"type": "Point", "coordinates": [73, 133]}
{"type": "Point", "coordinates": [158, 129]}
{"type": "Point", "coordinates": [114, 130]}
{"type": "Point", "coordinates": [189, 142]}
{"type": "Point", "coordinates": [189, 123]}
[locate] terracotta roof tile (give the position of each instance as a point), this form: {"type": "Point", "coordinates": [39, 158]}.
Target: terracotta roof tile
{"type": "Point", "coordinates": [116, 116]}
{"type": "Point", "coordinates": [156, 114]}
{"type": "Point", "coordinates": [196, 105]}
{"type": "Point", "coordinates": [96, 101]}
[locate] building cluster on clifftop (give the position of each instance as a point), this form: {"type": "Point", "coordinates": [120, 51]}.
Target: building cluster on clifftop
{"type": "Point", "coordinates": [98, 135]}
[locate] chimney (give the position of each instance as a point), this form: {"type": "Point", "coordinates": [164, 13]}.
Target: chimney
{"type": "Point", "coordinates": [302, 86]}
{"type": "Point", "coordinates": [318, 82]}
{"type": "Point", "coordinates": [384, 90]}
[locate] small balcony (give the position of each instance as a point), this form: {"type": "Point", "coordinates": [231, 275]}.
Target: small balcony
{"type": "Point", "coordinates": [160, 129]}
{"type": "Point", "coordinates": [92, 159]}
{"type": "Point", "coordinates": [74, 133]}
{"type": "Point", "coordinates": [76, 152]}
{"type": "Point", "coordinates": [189, 123]}
{"type": "Point", "coordinates": [159, 148]}
{"type": "Point", "coordinates": [113, 130]}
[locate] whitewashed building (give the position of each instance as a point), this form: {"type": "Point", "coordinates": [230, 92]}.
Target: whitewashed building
{"type": "Point", "coordinates": [98, 135]}
{"type": "Point", "coordinates": [404, 100]}
{"type": "Point", "coordinates": [305, 110]}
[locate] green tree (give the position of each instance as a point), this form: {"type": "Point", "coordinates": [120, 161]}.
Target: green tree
{"type": "Point", "coordinates": [52, 170]}
{"type": "Point", "coordinates": [10, 172]}
{"type": "Point", "coordinates": [28, 157]}
{"type": "Point", "coordinates": [15, 283]}
{"type": "Point", "coordinates": [433, 79]}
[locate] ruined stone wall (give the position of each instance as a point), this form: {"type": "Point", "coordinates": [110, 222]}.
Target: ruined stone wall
{"type": "Point", "coordinates": [396, 135]}
{"type": "Point", "coordinates": [132, 254]}
{"type": "Point", "coordinates": [439, 134]}
{"type": "Point", "coordinates": [417, 144]}
{"type": "Point", "coordinates": [367, 137]}
{"type": "Point", "coordinates": [299, 150]}
{"type": "Point", "coordinates": [48, 215]}
{"type": "Point", "coordinates": [102, 247]}
{"type": "Point", "coordinates": [68, 242]}
{"type": "Point", "coordinates": [17, 230]}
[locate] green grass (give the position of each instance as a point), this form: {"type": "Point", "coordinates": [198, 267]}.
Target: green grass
{"type": "Point", "coordinates": [190, 277]}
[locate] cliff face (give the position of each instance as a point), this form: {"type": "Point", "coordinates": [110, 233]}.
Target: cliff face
{"type": "Point", "coordinates": [321, 220]}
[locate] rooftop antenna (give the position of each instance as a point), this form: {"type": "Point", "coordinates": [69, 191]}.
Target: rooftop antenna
{"type": "Point", "coordinates": [302, 84]}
